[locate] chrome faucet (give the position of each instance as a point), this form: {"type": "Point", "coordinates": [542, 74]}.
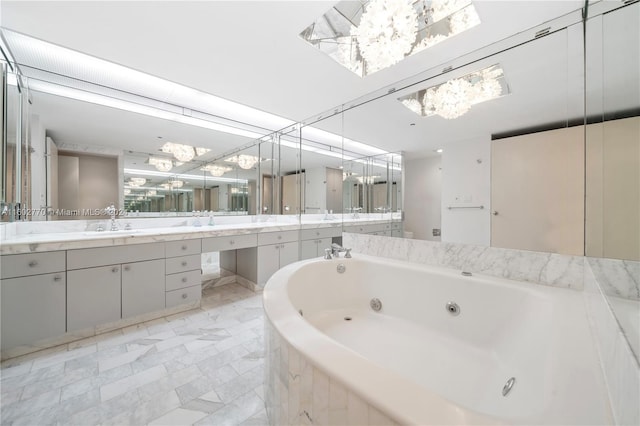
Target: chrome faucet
{"type": "Point", "coordinates": [111, 210]}
{"type": "Point", "coordinates": [355, 211]}
{"type": "Point", "coordinates": [336, 249]}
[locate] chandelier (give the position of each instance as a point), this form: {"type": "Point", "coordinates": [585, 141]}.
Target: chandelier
{"type": "Point", "coordinates": [216, 170]}
{"type": "Point", "coordinates": [381, 33]}
{"type": "Point", "coordinates": [183, 153]}
{"type": "Point", "coordinates": [152, 193]}
{"type": "Point", "coordinates": [455, 97]}
{"type": "Point", "coordinates": [244, 161]}
{"type": "Point", "coordinates": [171, 184]}
{"type": "Point", "coordinates": [127, 191]}
{"type": "Point", "coordinates": [161, 164]}
{"type": "Point", "coordinates": [136, 181]}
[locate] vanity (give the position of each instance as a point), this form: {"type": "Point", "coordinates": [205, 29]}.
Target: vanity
{"type": "Point", "coordinates": [58, 287]}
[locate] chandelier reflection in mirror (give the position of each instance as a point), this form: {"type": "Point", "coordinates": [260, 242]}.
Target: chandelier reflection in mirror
{"type": "Point", "coordinates": [216, 170]}
{"type": "Point", "coordinates": [366, 36]}
{"type": "Point", "coordinates": [455, 97]}
{"type": "Point", "coordinates": [161, 164]}
{"type": "Point", "coordinates": [136, 181]}
{"type": "Point", "coordinates": [183, 153]}
{"type": "Point", "coordinates": [172, 184]}
{"type": "Point", "coordinates": [244, 161]}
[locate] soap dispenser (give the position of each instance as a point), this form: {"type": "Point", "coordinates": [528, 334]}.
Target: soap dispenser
{"type": "Point", "coordinates": [211, 219]}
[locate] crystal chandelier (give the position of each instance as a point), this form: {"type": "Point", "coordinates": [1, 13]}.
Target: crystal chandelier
{"type": "Point", "coordinates": [244, 161]}
{"type": "Point", "coordinates": [174, 184]}
{"type": "Point", "coordinates": [151, 193]}
{"type": "Point", "coordinates": [161, 164]}
{"type": "Point", "coordinates": [381, 33]}
{"type": "Point", "coordinates": [386, 32]}
{"type": "Point", "coordinates": [201, 151]}
{"type": "Point", "coordinates": [136, 181]}
{"type": "Point", "coordinates": [181, 152]}
{"type": "Point", "coordinates": [216, 170]}
{"type": "Point", "coordinates": [127, 191]}
{"type": "Point", "coordinates": [455, 97]}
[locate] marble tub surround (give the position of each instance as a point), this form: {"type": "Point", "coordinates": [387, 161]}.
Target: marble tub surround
{"type": "Point", "coordinates": [618, 360]}
{"type": "Point", "coordinates": [551, 269]}
{"type": "Point", "coordinates": [202, 367]}
{"type": "Point", "coordinates": [299, 393]}
{"type": "Point", "coordinates": [617, 278]}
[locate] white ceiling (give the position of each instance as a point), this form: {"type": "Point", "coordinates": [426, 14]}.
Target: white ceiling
{"type": "Point", "coordinates": [250, 52]}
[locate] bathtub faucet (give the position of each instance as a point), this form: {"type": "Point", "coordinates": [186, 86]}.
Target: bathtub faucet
{"type": "Point", "coordinates": [336, 249]}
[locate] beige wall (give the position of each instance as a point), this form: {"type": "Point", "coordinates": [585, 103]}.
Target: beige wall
{"type": "Point", "coordinates": [538, 191]}
{"type": "Point", "coordinates": [613, 189]}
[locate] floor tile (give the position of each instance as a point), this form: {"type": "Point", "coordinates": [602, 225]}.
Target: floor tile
{"type": "Point", "coordinates": [178, 417]}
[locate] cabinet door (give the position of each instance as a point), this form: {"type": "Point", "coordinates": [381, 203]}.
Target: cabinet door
{"type": "Point", "coordinates": [93, 296]}
{"type": "Point", "coordinates": [288, 253]}
{"type": "Point", "coordinates": [308, 249]}
{"type": "Point", "coordinates": [143, 287]}
{"type": "Point", "coordinates": [323, 243]}
{"type": "Point", "coordinates": [268, 262]}
{"type": "Point", "coordinates": [33, 308]}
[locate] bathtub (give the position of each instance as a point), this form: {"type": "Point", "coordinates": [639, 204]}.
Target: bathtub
{"type": "Point", "coordinates": [332, 359]}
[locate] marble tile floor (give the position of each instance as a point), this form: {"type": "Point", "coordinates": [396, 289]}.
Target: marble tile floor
{"type": "Point", "coordinates": [201, 367]}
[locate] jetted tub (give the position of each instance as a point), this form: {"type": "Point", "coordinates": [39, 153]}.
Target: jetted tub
{"type": "Point", "coordinates": [333, 359]}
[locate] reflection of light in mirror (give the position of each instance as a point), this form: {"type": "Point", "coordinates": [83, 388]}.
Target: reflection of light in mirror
{"type": "Point", "coordinates": [201, 151]}
{"type": "Point", "coordinates": [135, 181]}
{"type": "Point", "coordinates": [367, 179]}
{"type": "Point", "coordinates": [127, 191]}
{"type": "Point", "coordinates": [216, 170]}
{"type": "Point", "coordinates": [162, 164]}
{"type": "Point", "coordinates": [151, 192]}
{"type": "Point", "coordinates": [182, 176]}
{"type": "Point", "coordinates": [181, 152]}
{"type": "Point", "coordinates": [244, 161]}
{"type": "Point", "coordinates": [81, 95]}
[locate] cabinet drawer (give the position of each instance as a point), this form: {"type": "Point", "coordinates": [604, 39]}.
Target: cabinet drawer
{"type": "Point", "coordinates": [183, 248]}
{"type": "Point", "coordinates": [22, 265]}
{"type": "Point", "coordinates": [266, 238]}
{"type": "Point", "coordinates": [312, 234]}
{"type": "Point", "coordinates": [87, 258]}
{"type": "Point", "coordinates": [396, 225]}
{"type": "Point", "coordinates": [182, 296]}
{"type": "Point", "coordinates": [183, 264]}
{"type": "Point", "coordinates": [359, 229]}
{"type": "Point", "coordinates": [183, 280]}
{"type": "Point", "coordinates": [231, 242]}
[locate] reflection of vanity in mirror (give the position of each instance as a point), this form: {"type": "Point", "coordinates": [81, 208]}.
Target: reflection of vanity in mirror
{"type": "Point", "coordinates": [533, 176]}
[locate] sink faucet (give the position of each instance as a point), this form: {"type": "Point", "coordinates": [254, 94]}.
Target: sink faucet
{"type": "Point", "coordinates": [355, 211]}
{"type": "Point", "coordinates": [336, 249]}
{"type": "Point", "coordinates": [111, 210]}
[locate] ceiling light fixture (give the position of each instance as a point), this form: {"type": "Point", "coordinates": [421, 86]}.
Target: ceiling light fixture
{"type": "Point", "coordinates": [455, 97]}
{"type": "Point", "coordinates": [137, 181]}
{"type": "Point", "coordinates": [162, 164]}
{"type": "Point", "coordinates": [381, 33]}
{"type": "Point", "coordinates": [183, 153]}
{"type": "Point", "coordinates": [216, 170]}
{"type": "Point", "coordinates": [244, 161]}
{"type": "Point", "coordinates": [182, 176]}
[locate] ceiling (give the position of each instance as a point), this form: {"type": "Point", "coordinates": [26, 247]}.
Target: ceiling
{"type": "Point", "coordinates": [249, 52]}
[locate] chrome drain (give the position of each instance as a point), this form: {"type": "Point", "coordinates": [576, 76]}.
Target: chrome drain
{"type": "Point", "coordinates": [375, 304]}
{"type": "Point", "coordinates": [508, 386]}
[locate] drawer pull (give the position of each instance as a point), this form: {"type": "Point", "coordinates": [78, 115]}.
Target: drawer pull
{"type": "Point", "coordinates": [317, 233]}
{"type": "Point", "coordinates": [57, 278]}
{"type": "Point", "coordinates": [184, 279]}
{"type": "Point", "coordinates": [279, 237]}
{"type": "Point", "coordinates": [114, 270]}
{"type": "Point", "coordinates": [184, 247]}
{"type": "Point", "coordinates": [127, 268]}
{"type": "Point", "coordinates": [33, 263]}
{"type": "Point", "coordinates": [184, 263]}
{"type": "Point", "coordinates": [232, 242]}
{"type": "Point", "coordinates": [184, 295]}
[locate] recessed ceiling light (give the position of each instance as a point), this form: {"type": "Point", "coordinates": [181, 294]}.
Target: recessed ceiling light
{"type": "Point", "coordinates": [439, 150]}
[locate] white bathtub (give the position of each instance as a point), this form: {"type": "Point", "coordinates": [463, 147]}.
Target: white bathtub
{"type": "Point", "coordinates": [413, 362]}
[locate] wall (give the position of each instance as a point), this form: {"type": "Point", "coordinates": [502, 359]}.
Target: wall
{"type": "Point", "coordinates": [38, 179]}
{"type": "Point", "coordinates": [87, 182]}
{"type": "Point", "coordinates": [422, 205]}
{"type": "Point", "coordinates": [466, 181]}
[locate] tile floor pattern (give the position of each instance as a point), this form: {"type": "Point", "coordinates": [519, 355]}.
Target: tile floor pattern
{"type": "Point", "coordinates": [202, 367]}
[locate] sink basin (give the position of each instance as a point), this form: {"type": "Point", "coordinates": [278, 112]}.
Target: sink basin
{"type": "Point", "coordinates": [113, 233]}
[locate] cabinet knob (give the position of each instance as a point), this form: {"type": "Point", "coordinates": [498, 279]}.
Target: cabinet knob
{"type": "Point", "coordinates": [114, 270]}
{"type": "Point", "coordinates": [33, 263]}
{"type": "Point", "coordinates": [317, 233]}
{"type": "Point", "coordinates": [184, 295]}
{"type": "Point", "coordinates": [279, 237]}
{"type": "Point", "coordinates": [184, 263]}
{"type": "Point", "coordinates": [184, 247]}
{"type": "Point", "coordinates": [57, 278]}
{"type": "Point", "coordinates": [127, 268]}
{"type": "Point", "coordinates": [232, 242]}
{"type": "Point", "coordinates": [495, 213]}
{"type": "Point", "coordinates": [184, 279]}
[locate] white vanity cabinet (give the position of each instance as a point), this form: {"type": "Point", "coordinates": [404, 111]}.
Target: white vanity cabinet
{"type": "Point", "coordinates": [109, 283]}
{"type": "Point", "coordinates": [313, 242]}
{"type": "Point", "coordinates": [183, 265]}
{"type": "Point", "coordinates": [33, 290]}
{"type": "Point", "coordinates": [275, 250]}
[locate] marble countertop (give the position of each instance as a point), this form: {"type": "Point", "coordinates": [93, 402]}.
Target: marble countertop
{"type": "Point", "coordinates": [52, 241]}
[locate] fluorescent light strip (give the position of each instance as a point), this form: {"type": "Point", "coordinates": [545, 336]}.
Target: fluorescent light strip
{"type": "Point", "coordinates": [137, 172]}
{"type": "Point", "coordinates": [81, 95]}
